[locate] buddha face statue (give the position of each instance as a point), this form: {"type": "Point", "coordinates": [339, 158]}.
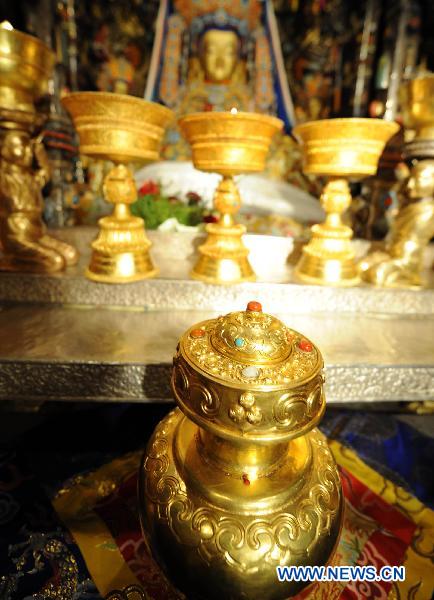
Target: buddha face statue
{"type": "Point", "coordinates": [219, 53]}
{"type": "Point", "coordinates": [421, 182]}
{"type": "Point", "coordinates": [17, 148]}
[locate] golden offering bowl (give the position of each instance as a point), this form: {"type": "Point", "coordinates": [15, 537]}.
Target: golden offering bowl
{"type": "Point", "coordinates": [122, 129]}
{"type": "Point", "coordinates": [417, 105]}
{"type": "Point", "coordinates": [26, 64]}
{"type": "Point", "coordinates": [228, 143]}
{"type": "Point", "coordinates": [340, 149]}
{"type": "Point", "coordinates": [117, 127]}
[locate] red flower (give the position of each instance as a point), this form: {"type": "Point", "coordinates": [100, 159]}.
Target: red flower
{"type": "Point", "coordinates": [193, 198]}
{"type": "Point", "coordinates": [149, 188]}
{"type": "Point", "coordinates": [210, 219]}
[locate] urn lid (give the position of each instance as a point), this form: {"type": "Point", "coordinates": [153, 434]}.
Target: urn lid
{"type": "Point", "coordinates": [247, 371]}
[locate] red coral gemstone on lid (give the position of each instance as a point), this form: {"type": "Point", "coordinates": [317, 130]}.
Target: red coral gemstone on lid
{"type": "Point", "coordinates": [254, 306]}
{"type": "Point", "coordinates": [197, 333]}
{"type": "Point", "coordinates": [246, 479]}
{"type": "Point", "coordinates": [305, 346]}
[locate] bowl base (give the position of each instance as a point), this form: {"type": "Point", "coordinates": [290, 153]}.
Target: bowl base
{"type": "Point", "coordinates": [105, 269]}
{"type": "Point", "coordinates": [120, 254]}
{"type": "Point", "coordinates": [326, 270]}
{"type": "Point", "coordinates": [223, 257]}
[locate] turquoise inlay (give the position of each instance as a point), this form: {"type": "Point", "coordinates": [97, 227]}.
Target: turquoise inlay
{"type": "Point", "coordinates": [239, 342]}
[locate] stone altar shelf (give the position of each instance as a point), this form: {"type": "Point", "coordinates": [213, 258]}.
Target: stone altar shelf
{"type": "Point", "coordinates": [66, 338]}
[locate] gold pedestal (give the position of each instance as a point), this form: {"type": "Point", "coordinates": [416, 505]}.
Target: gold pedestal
{"type": "Point", "coordinates": [224, 257]}
{"type": "Point", "coordinates": [339, 149]}
{"type": "Point", "coordinates": [121, 251]}
{"type": "Point", "coordinates": [229, 144]}
{"type": "Point", "coordinates": [238, 480]}
{"type": "Point", "coordinates": [329, 257]}
{"type": "Point", "coordinates": [122, 129]}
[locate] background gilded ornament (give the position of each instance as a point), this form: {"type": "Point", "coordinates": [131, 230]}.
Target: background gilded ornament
{"type": "Point", "coordinates": [25, 67]}
{"type": "Point", "coordinates": [26, 64]}
{"type": "Point", "coordinates": [228, 143]}
{"type": "Point", "coordinates": [400, 262]}
{"type": "Point", "coordinates": [122, 129]}
{"type": "Point", "coordinates": [238, 480]}
{"type": "Point", "coordinates": [339, 149]}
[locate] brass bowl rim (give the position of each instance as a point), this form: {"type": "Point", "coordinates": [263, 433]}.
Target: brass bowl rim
{"type": "Point", "coordinates": [111, 96]}
{"type": "Point", "coordinates": [393, 125]}
{"type": "Point", "coordinates": [227, 115]}
{"type": "Point", "coordinates": [27, 37]}
{"type": "Point", "coordinates": [420, 77]}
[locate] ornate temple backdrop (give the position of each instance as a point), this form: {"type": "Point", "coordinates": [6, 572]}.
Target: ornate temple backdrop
{"type": "Point", "coordinates": [338, 52]}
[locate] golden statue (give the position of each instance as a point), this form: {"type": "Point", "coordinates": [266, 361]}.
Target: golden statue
{"type": "Point", "coordinates": [400, 263]}
{"type": "Point", "coordinates": [23, 236]}
{"type": "Point", "coordinates": [217, 56]}
{"type": "Point", "coordinates": [25, 67]}
{"type": "Point", "coordinates": [216, 81]}
{"type": "Point", "coordinates": [217, 77]}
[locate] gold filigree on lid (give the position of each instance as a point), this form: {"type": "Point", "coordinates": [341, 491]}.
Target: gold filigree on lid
{"type": "Point", "coordinates": [251, 347]}
{"type": "Point", "coordinates": [252, 337]}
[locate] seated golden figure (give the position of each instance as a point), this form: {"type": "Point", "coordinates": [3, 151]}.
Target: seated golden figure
{"type": "Point", "coordinates": [23, 236]}
{"type": "Point", "coordinates": [216, 81]}
{"type": "Point", "coordinates": [217, 78]}
{"type": "Point", "coordinates": [401, 261]}
{"type": "Point", "coordinates": [219, 56]}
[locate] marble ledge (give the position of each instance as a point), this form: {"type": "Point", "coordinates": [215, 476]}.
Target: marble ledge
{"type": "Point", "coordinates": [90, 354]}
{"type": "Point", "coordinates": [174, 254]}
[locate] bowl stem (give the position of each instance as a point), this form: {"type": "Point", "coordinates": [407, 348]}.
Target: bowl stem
{"type": "Point", "coordinates": [329, 258]}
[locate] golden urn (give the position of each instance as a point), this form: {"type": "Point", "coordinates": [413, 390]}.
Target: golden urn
{"type": "Point", "coordinates": [338, 149]}
{"type": "Point", "coordinates": [123, 129]}
{"type": "Point", "coordinates": [238, 480]}
{"type": "Point", "coordinates": [228, 143]}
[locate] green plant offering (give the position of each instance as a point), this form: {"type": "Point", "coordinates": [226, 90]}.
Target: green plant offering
{"type": "Point", "coordinates": [156, 208]}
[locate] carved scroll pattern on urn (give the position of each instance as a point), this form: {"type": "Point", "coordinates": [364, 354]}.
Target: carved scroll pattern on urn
{"type": "Point", "coordinates": [217, 536]}
{"type": "Point", "coordinates": [292, 411]}
{"type": "Point", "coordinates": [193, 392]}
{"type": "Point", "coordinates": [295, 409]}
{"type": "Point", "coordinates": [161, 487]}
